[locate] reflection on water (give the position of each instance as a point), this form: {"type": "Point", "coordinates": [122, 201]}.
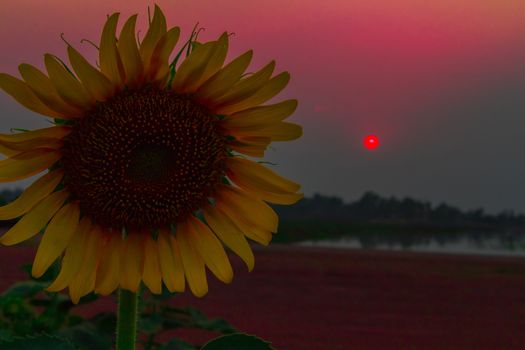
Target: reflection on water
{"type": "Point", "coordinates": [458, 244]}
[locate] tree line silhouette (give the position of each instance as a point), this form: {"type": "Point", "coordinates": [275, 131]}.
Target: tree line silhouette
{"type": "Point", "coordinates": [371, 207]}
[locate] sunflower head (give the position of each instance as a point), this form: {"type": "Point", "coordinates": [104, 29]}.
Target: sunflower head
{"type": "Point", "coordinates": [146, 169]}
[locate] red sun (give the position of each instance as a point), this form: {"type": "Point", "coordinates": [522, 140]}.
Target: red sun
{"type": "Point", "coordinates": [371, 142]}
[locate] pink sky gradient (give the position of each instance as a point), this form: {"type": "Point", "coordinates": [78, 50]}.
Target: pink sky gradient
{"type": "Point", "coordinates": [357, 66]}
{"type": "Point", "coordinates": [360, 62]}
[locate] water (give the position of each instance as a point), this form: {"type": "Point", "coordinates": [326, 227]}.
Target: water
{"type": "Point", "coordinates": [460, 244]}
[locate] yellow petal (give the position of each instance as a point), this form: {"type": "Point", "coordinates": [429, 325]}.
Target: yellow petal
{"type": "Point", "coordinates": [43, 88]}
{"type": "Point", "coordinates": [192, 261]}
{"type": "Point", "coordinates": [156, 30]}
{"type": "Point", "coordinates": [190, 73]}
{"type": "Point", "coordinates": [269, 90]}
{"type": "Point", "coordinates": [170, 262]}
{"type": "Point", "coordinates": [216, 59]}
{"type": "Point", "coordinates": [255, 141]}
{"type": "Point", "coordinates": [258, 175]}
{"type": "Point", "coordinates": [247, 87]}
{"type": "Point", "coordinates": [25, 96]}
{"type": "Point", "coordinates": [284, 131]}
{"type": "Point", "coordinates": [72, 260]}
{"type": "Point", "coordinates": [108, 274]}
{"type": "Point", "coordinates": [226, 230]}
{"type": "Point", "coordinates": [277, 197]}
{"type": "Point", "coordinates": [84, 282]}
{"type": "Point", "coordinates": [262, 115]}
{"type": "Point", "coordinates": [250, 230]}
{"type": "Point", "coordinates": [91, 276]}
{"type": "Point", "coordinates": [129, 52]}
{"type": "Point", "coordinates": [251, 146]}
{"type": "Point", "coordinates": [249, 150]}
{"type": "Point", "coordinates": [27, 164]}
{"type": "Point", "coordinates": [211, 250]}
{"type": "Point", "coordinates": [11, 148]}
{"type": "Point", "coordinates": [158, 66]}
{"type": "Point", "coordinates": [152, 275]}
{"type": "Point", "coordinates": [253, 210]}
{"type": "Point", "coordinates": [80, 288]}
{"type": "Point", "coordinates": [66, 85]}
{"type": "Point", "coordinates": [220, 83]}
{"type": "Point", "coordinates": [110, 62]}
{"type": "Point", "coordinates": [35, 220]}
{"type": "Point", "coordinates": [96, 83]}
{"type": "Point", "coordinates": [8, 152]}
{"type": "Point", "coordinates": [56, 132]}
{"type": "Point", "coordinates": [38, 190]}
{"type": "Point", "coordinates": [24, 146]}
{"type": "Point", "coordinates": [276, 132]}
{"type": "Point", "coordinates": [132, 262]}
{"type": "Point", "coordinates": [56, 237]}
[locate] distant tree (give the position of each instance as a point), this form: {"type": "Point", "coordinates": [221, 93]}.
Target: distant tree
{"type": "Point", "coordinates": [373, 207]}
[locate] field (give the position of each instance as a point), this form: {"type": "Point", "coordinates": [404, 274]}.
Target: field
{"type": "Point", "coordinates": [324, 299]}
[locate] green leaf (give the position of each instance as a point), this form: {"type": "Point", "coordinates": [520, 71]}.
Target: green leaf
{"type": "Point", "coordinates": [40, 342]}
{"type": "Point", "coordinates": [201, 321]}
{"type": "Point", "coordinates": [74, 320]}
{"type": "Point", "coordinates": [24, 289]}
{"type": "Point", "coordinates": [88, 337]}
{"type": "Point", "coordinates": [177, 344]}
{"type": "Point", "coordinates": [16, 316]}
{"type": "Point", "coordinates": [193, 318]}
{"type": "Point", "coordinates": [53, 300]}
{"type": "Point", "coordinates": [106, 322]}
{"type": "Point", "coordinates": [151, 323]}
{"type": "Point", "coordinates": [5, 335]}
{"type": "Point", "coordinates": [238, 341]}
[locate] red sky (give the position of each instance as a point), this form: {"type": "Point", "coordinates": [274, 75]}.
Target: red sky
{"type": "Point", "coordinates": [403, 69]}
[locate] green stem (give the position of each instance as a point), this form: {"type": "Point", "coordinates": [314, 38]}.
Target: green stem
{"type": "Point", "coordinates": [127, 320]}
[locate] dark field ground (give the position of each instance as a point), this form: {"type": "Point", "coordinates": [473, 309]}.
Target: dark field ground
{"type": "Point", "coordinates": [323, 299]}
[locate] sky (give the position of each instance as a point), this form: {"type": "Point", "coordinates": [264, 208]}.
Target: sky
{"type": "Point", "coordinates": [441, 83]}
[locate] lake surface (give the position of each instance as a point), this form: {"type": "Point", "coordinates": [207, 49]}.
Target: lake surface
{"type": "Point", "coordinates": [460, 244]}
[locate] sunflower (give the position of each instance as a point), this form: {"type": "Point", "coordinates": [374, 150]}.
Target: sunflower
{"type": "Point", "coordinates": [148, 170]}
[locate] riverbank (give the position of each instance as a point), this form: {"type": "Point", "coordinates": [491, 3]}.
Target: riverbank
{"type": "Point", "coordinates": [304, 298]}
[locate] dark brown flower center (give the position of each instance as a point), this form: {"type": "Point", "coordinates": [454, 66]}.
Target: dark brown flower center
{"type": "Point", "coordinates": [144, 159]}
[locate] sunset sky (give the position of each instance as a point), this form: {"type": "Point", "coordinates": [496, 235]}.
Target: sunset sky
{"type": "Point", "coordinates": [442, 83]}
